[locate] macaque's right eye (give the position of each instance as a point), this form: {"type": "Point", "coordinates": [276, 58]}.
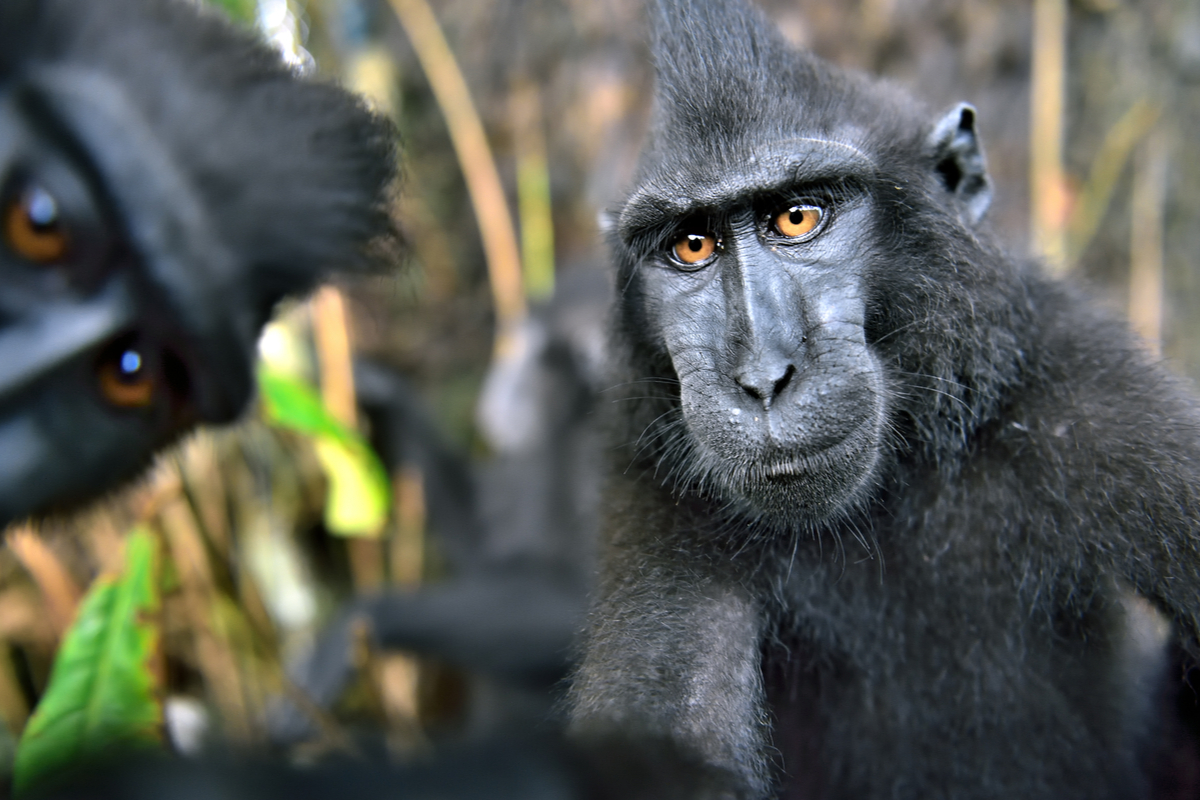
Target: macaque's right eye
{"type": "Point", "coordinates": [32, 226]}
{"type": "Point", "coordinates": [694, 249]}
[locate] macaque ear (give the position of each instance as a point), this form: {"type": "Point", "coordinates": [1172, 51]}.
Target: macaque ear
{"type": "Point", "coordinates": [960, 163]}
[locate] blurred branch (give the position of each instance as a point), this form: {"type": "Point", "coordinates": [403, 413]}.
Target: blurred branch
{"type": "Point", "coordinates": [203, 485]}
{"type": "Point", "coordinates": [1106, 170]}
{"type": "Point", "coordinates": [13, 708]}
{"type": "Point", "coordinates": [1047, 181]}
{"type": "Point", "coordinates": [1146, 240]}
{"type": "Point", "coordinates": [23, 619]}
{"type": "Point", "coordinates": [337, 393]}
{"type": "Point", "coordinates": [533, 192]}
{"type": "Point", "coordinates": [408, 542]}
{"type": "Point", "coordinates": [332, 340]}
{"type": "Point", "coordinates": [475, 156]}
{"type": "Point", "coordinates": [214, 656]}
{"type": "Point", "coordinates": [59, 590]}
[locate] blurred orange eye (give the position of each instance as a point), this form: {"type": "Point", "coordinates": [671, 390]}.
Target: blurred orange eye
{"type": "Point", "coordinates": [33, 228]}
{"type": "Point", "coordinates": [695, 248]}
{"type": "Point", "coordinates": [798, 221]}
{"type": "Point", "coordinates": [125, 378]}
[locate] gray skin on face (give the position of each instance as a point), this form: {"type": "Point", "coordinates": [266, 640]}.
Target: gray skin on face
{"type": "Point", "coordinates": [779, 393]}
{"type": "Point", "coordinates": [783, 401]}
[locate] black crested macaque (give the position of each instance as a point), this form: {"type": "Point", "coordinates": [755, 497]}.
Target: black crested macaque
{"type": "Point", "coordinates": [895, 515]}
{"type": "Point", "coordinates": [164, 181]}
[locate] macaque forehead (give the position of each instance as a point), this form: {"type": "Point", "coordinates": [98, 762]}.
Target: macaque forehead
{"type": "Point", "coordinates": [689, 187]}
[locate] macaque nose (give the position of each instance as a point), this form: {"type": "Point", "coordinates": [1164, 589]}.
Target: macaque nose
{"type": "Point", "coordinates": [765, 382]}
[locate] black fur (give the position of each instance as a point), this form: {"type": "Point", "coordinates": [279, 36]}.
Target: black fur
{"type": "Point", "coordinates": [200, 180]}
{"type": "Point", "coordinates": [957, 557]}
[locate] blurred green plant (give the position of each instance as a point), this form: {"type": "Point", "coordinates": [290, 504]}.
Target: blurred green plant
{"type": "Point", "coordinates": [359, 496]}
{"type": "Point", "coordinates": [533, 195]}
{"type": "Point", "coordinates": [104, 690]}
{"type": "Point", "coordinates": [242, 11]}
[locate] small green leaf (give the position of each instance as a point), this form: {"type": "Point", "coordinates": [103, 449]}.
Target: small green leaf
{"type": "Point", "coordinates": [103, 690]}
{"type": "Point", "coordinates": [293, 404]}
{"type": "Point", "coordinates": [358, 499]}
{"type": "Point", "coordinates": [243, 11]}
{"type": "Point", "coordinates": [360, 493]}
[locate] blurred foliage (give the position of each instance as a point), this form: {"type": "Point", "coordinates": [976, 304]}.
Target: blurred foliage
{"type": "Point", "coordinates": [561, 89]}
{"type": "Point", "coordinates": [359, 495]}
{"type": "Point", "coordinates": [243, 11]}
{"type": "Point", "coordinates": [104, 690]}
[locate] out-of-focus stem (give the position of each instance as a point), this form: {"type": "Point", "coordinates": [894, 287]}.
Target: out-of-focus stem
{"type": "Point", "coordinates": [533, 192]}
{"type": "Point", "coordinates": [408, 542]}
{"type": "Point", "coordinates": [59, 591]}
{"type": "Point", "coordinates": [1146, 240]}
{"type": "Point", "coordinates": [1047, 180]}
{"type": "Point", "coordinates": [1107, 168]}
{"type": "Point", "coordinates": [332, 341]}
{"type": "Point", "coordinates": [13, 707]}
{"type": "Point", "coordinates": [332, 338]}
{"type": "Point", "coordinates": [475, 157]}
{"type": "Point", "coordinates": [215, 657]}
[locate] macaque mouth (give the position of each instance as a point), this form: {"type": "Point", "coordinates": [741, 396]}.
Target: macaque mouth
{"type": "Point", "coordinates": [786, 467]}
{"type": "Point", "coordinates": [806, 466]}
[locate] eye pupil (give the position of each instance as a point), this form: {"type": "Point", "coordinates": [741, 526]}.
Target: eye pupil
{"type": "Point", "coordinates": [694, 249]}
{"type": "Point", "coordinates": [797, 221]}
{"type": "Point", "coordinates": [131, 363]}
{"type": "Point", "coordinates": [41, 208]}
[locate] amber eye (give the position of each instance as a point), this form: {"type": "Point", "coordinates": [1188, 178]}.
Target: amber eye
{"type": "Point", "coordinates": [33, 228]}
{"type": "Point", "coordinates": [695, 248]}
{"type": "Point", "coordinates": [798, 221]}
{"type": "Point", "coordinates": [125, 378]}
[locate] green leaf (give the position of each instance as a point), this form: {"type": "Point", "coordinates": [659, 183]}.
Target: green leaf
{"type": "Point", "coordinates": [103, 690]}
{"type": "Point", "coordinates": [243, 11]}
{"type": "Point", "coordinates": [358, 499]}
{"type": "Point", "coordinates": [360, 494]}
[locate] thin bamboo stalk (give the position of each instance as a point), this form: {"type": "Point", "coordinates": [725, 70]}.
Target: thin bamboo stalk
{"type": "Point", "coordinates": [398, 674]}
{"type": "Point", "coordinates": [332, 338]}
{"type": "Point", "coordinates": [1107, 168]}
{"type": "Point", "coordinates": [408, 541]}
{"type": "Point", "coordinates": [1047, 180]}
{"type": "Point", "coordinates": [59, 591]}
{"type": "Point", "coordinates": [1146, 240]}
{"type": "Point", "coordinates": [533, 192]}
{"type": "Point", "coordinates": [215, 659]}
{"type": "Point", "coordinates": [475, 156]}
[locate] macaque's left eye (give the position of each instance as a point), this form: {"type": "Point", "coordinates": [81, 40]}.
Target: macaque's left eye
{"type": "Point", "coordinates": [124, 377]}
{"type": "Point", "coordinates": [798, 221]}
{"type": "Point", "coordinates": [33, 227]}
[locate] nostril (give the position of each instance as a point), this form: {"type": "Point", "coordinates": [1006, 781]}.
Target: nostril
{"type": "Point", "coordinates": [762, 385]}
{"type": "Point", "coordinates": [749, 388]}
{"type": "Point", "coordinates": [783, 382]}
